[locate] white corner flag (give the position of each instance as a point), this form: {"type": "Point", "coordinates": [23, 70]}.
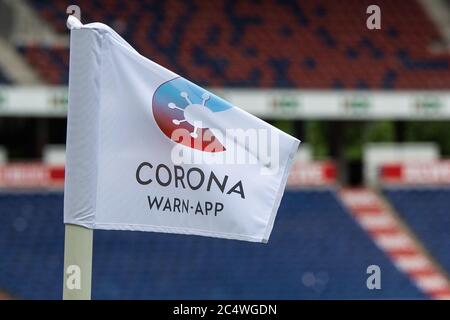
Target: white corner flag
{"type": "Point", "coordinates": [148, 150]}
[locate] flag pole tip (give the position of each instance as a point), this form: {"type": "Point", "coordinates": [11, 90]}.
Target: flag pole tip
{"type": "Point", "coordinates": [73, 23]}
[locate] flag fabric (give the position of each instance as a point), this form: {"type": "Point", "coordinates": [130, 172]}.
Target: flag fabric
{"type": "Point", "coordinates": [148, 150]}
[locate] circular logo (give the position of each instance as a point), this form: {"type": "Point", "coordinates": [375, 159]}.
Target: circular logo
{"type": "Point", "coordinates": [186, 114]}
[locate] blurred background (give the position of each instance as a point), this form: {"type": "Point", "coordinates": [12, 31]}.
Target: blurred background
{"type": "Point", "coordinates": [366, 90]}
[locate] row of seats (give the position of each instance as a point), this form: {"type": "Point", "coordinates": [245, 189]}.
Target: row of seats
{"type": "Point", "coordinates": [52, 63]}
{"type": "Point", "coordinates": [275, 43]}
{"type": "Point", "coordinates": [316, 251]}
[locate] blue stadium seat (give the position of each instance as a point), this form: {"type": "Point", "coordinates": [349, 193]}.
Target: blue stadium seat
{"type": "Point", "coordinates": [427, 212]}
{"type": "Point", "coordinates": [316, 251]}
{"type": "Point", "coordinates": [223, 43]}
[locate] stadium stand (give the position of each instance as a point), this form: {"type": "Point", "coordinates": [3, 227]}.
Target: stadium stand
{"type": "Point", "coordinates": [317, 250]}
{"type": "Point", "coordinates": [393, 237]}
{"type": "Point", "coordinates": [51, 63]}
{"type": "Point", "coordinates": [426, 210]}
{"type": "Point", "coordinates": [265, 43]}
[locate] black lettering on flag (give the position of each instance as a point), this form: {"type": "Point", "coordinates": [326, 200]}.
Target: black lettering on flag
{"type": "Point", "coordinates": [218, 208]}
{"type": "Point", "coordinates": [179, 176]}
{"type": "Point", "coordinates": [199, 209]}
{"type": "Point", "coordinates": [154, 201]}
{"type": "Point", "coordinates": [138, 171]}
{"type": "Point", "coordinates": [176, 204]}
{"type": "Point", "coordinates": [158, 177]}
{"type": "Point", "coordinates": [167, 206]}
{"type": "Point", "coordinates": [185, 207]}
{"type": "Point", "coordinates": [200, 182]}
{"type": "Point", "coordinates": [237, 188]}
{"type": "Point", "coordinates": [208, 207]}
{"type": "Point", "coordinates": [213, 177]}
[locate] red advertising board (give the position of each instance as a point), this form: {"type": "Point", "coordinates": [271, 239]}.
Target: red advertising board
{"type": "Point", "coordinates": [26, 175]}
{"type": "Point", "coordinates": [37, 175]}
{"type": "Point", "coordinates": [318, 173]}
{"type": "Point", "coordinates": [416, 173]}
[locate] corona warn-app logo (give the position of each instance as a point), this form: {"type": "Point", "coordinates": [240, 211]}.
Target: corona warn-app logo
{"type": "Point", "coordinates": [185, 113]}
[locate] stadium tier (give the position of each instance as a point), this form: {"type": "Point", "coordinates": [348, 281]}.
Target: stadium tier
{"type": "Point", "coordinates": [369, 185]}
{"type": "Point", "coordinates": [426, 210]}
{"type": "Point", "coordinates": [302, 44]}
{"type": "Point", "coordinates": [317, 250]}
{"type": "Point", "coordinates": [51, 63]}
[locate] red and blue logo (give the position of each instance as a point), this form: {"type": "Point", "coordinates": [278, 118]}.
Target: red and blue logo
{"type": "Point", "coordinates": [185, 113]}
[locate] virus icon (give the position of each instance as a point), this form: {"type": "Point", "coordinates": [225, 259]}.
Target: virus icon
{"type": "Point", "coordinates": [195, 114]}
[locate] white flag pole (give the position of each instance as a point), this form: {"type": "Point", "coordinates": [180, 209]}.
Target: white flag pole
{"type": "Point", "coordinates": [77, 263]}
{"type": "Point", "coordinates": [77, 245]}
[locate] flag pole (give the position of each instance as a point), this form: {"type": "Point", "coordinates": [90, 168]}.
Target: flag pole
{"type": "Point", "coordinates": [77, 263]}
{"type": "Point", "coordinates": [77, 240]}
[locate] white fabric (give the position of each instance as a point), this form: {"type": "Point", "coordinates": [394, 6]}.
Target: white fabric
{"type": "Point", "coordinates": [112, 130]}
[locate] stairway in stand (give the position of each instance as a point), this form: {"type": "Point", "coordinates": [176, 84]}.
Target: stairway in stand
{"type": "Point", "coordinates": [393, 237]}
